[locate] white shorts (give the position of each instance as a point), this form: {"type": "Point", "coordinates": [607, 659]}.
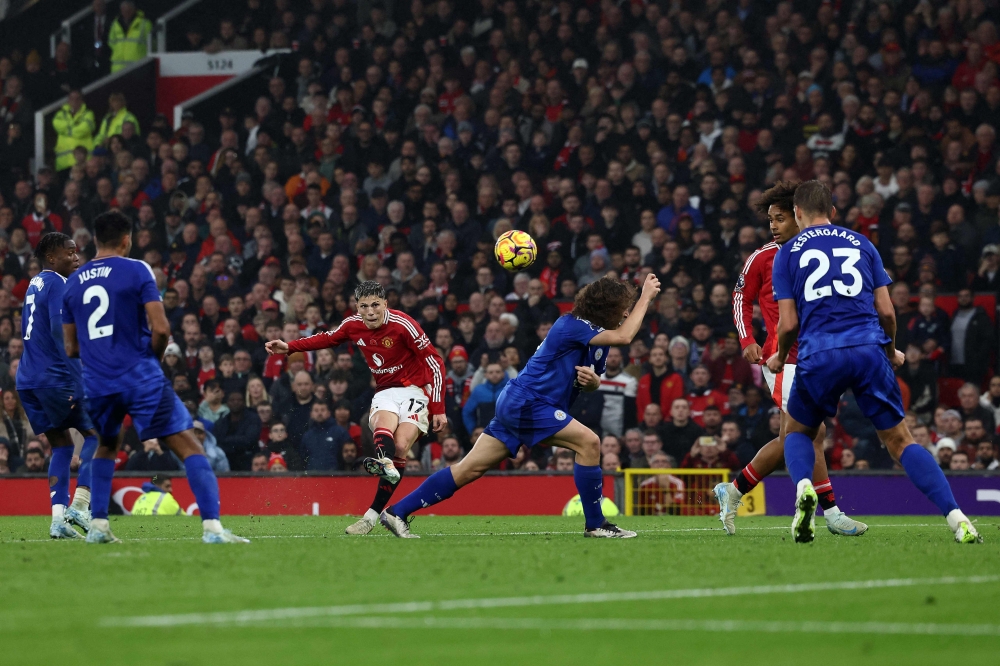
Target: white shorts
{"type": "Point", "coordinates": [409, 403]}
{"type": "Point", "coordinates": [780, 384]}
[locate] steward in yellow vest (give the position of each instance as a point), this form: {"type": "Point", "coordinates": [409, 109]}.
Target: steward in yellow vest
{"type": "Point", "coordinates": [75, 126]}
{"type": "Point", "coordinates": [127, 36]}
{"type": "Point", "coordinates": [116, 116]}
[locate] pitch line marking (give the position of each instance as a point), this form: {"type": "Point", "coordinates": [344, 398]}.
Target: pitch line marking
{"type": "Point", "coordinates": [273, 614]}
{"type": "Point", "coordinates": [626, 624]}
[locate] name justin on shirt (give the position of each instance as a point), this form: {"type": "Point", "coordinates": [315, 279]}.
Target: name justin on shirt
{"type": "Point", "coordinates": [91, 273]}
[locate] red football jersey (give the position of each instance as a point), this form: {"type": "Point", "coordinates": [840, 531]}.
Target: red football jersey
{"type": "Point", "coordinates": [398, 353]}
{"type": "Point", "coordinates": [754, 284]}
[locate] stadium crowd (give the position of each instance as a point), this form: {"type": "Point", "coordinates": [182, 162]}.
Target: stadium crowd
{"type": "Point", "coordinates": [625, 137]}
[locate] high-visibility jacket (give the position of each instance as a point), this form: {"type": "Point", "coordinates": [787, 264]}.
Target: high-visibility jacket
{"type": "Point", "coordinates": [128, 45]}
{"type": "Point", "coordinates": [156, 503]}
{"type": "Point", "coordinates": [112, 124]}
{"type": "Point", "coordinates": [73, 130]}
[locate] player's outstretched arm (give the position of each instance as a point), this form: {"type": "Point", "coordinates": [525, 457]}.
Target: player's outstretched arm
{"type": "Point", "coordinates": [623, 334]}
{"type": "Point", "coordinates": [788, 331]}
{"type": "Point", "coordinates": [159, 327]}
{"type": "Point", "coordinates": [887, 320]}
{"type": "Point", "coordinates": [276, 347]}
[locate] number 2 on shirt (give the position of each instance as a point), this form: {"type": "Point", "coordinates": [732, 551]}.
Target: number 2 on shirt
{"type": "Point", "coordinates": [850, 256]}
{"type": "Point", "coordinates": [101, 294]}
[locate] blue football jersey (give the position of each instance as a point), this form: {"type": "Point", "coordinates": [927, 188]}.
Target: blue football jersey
{"type": "Point", "coordinates": [106, 300]}
{"type": "Point", "coordinates": [44, 363]}
{"type": "Point", "coordinates": [550, 373]}
{"type": "Point", "coordinates": [832, 274]}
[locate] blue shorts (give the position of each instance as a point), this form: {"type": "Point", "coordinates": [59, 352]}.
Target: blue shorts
{"type": "Point", "coordinates": [522, 419]}
{"type": "Point", "coordinates": [56, 408]}
{"type": "Point", "coordinates": [155, 409]}
{"type": "Point", "coordinates": [823, 377]}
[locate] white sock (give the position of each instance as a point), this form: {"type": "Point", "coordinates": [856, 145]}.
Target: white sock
{"type": "Point", "coordinates": [214, 526]}
{"type": "Point", "coordinates": [801, 485]}
{"type": "Point", "coordinates": [954, 518]}
{"type": "Point", "coordinates": [100, 524]}
{"type": "Point", "coordinates": [371, 515]}
{"type": "Point", "coordinates": [81, 498]}
{"type": "Point", "coordinates": [832, 512]}
{"type": "Point", "coordinates": [58, 511]}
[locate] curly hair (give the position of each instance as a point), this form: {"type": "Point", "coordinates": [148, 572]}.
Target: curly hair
{"type": "Point", "coordinates": [782, 195]}
{"type": "Point", "coordinates": [50, 242]}
{"type": "Point", "coordinates": [604, 302]}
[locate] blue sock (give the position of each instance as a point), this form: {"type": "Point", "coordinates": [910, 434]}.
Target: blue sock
{"type": "Point", "coordinates": [799, 456]}
{"type": "Point", "coordinates": [438, 487]}
{"type": "Point", "coordinates": [204, 485]}
{"type": "Point", "coordinates": [101, 471]}
{"type": "Point", "coordinates": [59, 474]}
{"type": "Point", "coordinates": [86, 457]}
{"type": "Point", "coordinates": [590, 484]}
{"type": "Point", "coordinates": [926, 475]}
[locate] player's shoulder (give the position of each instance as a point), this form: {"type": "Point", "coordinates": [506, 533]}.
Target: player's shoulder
{"type": "Point", "coordinates": [762, 257]}
{"type": "Point", "coordinates": [402, 320]}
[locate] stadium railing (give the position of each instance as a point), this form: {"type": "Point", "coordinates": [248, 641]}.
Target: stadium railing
{"type": "Point", "coordinates": [164, 21]}
{"type": "Point", "coordinates": [672, 492]}
{"type": "Point", "coordinates": [65, 31]}
{"type": "Point", "coordinates": [138, 82]}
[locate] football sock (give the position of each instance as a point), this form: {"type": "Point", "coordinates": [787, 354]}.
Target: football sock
{"type": "Point", "coordinates": [86, 457]}
{"type": "Point", "coordinates": [926, 475]}
{"type": "Point", "coordinates": [746, 480]}
{"type": "Point", "coordinates": [204, 485]}
{"type": "Point", "coordinates": [799, 456]}
{"type": "Point", "coordinates": [81, 498]}
{"type": "Point", "coordinates": [59, 477]}
{"type": "Point", "coordinates": [438, 487]}
{"type": "Point", "coordinates": [386, 489]}
{"type": "Point", "coordinates": [827, 499]}
{"type": "Point", "coordinates": [590, 484]}
{"type": "Point", "coordinates": [385, 445]}
{"type": "Point", "coordinates": [101, 471]}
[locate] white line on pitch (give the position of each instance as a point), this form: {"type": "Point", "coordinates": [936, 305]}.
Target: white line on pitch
{"type": "Point", "coordinates": [272, 614]}
{"type": "Point", "coordinates": [627, 624]}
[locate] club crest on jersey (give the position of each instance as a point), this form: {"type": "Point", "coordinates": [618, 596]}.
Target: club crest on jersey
{"type": "Point", "coordinates": [386, 342]}
{"type": "Point", "coordinates": [378, 360]}
{"type": "Point", "coordinates": [739, 283]}
{"type": "Point", "coordinates": [598, 354]}
{"type": "Point", "coordinates": [560, 415]}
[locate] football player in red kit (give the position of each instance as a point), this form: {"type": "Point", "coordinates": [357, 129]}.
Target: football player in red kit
{"type": "Point", "coordinates": [754, 283]}
{"type": "Point", "coordinates": [409, 378]}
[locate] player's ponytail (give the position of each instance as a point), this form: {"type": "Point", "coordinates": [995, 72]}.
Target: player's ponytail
{"type": "Point", "coordinates": [604, 302]}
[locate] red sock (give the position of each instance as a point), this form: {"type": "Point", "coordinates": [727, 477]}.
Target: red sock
{"type": "Point", "coordinates": [747, 479]}
{"type": "Point", "coordinates": [827, 499]}
{"type": "Point", "coordinates": [384, 443]}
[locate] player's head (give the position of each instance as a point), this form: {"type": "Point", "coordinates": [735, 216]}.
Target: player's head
{"type": "Point", "coordinates": [604, 302]}
{"type": "Point", "coordinates": [813, 201]}
{"type": "Point", "coordinates": [113, 231]}
{"type": "Point", "coordinates": [370, 296]}
{"type": "Point", "coordinates": [57, 252]}
{"type": "Point", "coordinates": [777, 203]}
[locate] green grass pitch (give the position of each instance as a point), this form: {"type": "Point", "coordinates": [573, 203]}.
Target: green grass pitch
{"type": "Point", "coordinates": [529, 590]}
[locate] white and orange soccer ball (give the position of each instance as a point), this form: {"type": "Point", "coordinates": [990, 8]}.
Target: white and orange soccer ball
{"type": "Point", "coordinates": [515, 250]}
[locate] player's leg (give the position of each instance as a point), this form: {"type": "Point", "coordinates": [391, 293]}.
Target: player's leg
{"type": "Point", "coordinates": [837, 522]}
{"type": "Point", "coordinates": [102, 468]}
{"type": "Point", "coordinates": [401, 439]}
{"type": "Point", "coordinates": [59, 473]}
{"type": "Point", "coordinates": [487, 453]}
{"type": "Point", "coordinates": [78, 512]}
{"type": "Point", "coordinates": [589, 478]}
{"type": "Point", "coordinates": [384, 421]}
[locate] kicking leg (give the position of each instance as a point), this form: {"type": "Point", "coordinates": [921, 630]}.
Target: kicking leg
{"type": "Point", "coordinates": [926, 475]}
{"type": "Point", "coordinates": [59, 466]}
{"type": "Point", "coordinates": [203, 484]}
{"type": "Point", "coordinates": [406, 434]}
{"type": "Point", "coordinates": [439, 486]}
{"type": "Point", "coordinates": [78, 512]}
{"type": "Point", "coordinates": [800, 459]}
{"type": "Point", "coordinates": [770, 456]}
{"type": "Point", "coordinates": [837, 521]}
{"type": "Point", "coordinates": [589, 478]}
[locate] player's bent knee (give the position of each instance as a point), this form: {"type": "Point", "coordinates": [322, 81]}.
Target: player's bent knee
{"type": "Point", "coordinates": [896, 439]}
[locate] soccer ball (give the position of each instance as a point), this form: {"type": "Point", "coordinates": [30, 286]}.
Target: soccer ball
{"type": "Point", "coordinates": [574, 507]}
{"type": "Point", "coordinates": [515, 250]}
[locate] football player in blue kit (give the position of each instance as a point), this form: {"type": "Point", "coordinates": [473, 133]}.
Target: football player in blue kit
{"type": "Point", "coordinates": [51, 385]}
{"type": "Point", "coordinates": [113, 319]}
{"type": "Point", "coordinates": [533, 407]}
{"type": "Point", "coordinates": [832, 292]}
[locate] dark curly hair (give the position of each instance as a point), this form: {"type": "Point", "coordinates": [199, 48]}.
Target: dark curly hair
{"type": "Point", "coordinates": [782, 195]}
{"type": "Point", "coordinates": [604, 302]}
{"type": "Point", "coordinates": [50, 243]}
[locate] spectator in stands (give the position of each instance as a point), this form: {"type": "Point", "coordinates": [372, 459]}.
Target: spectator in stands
{"type": "Point", "coordinates": [991, 399]}
{"type": "Point", "coordinates": [681, 431]}
{"type": "Point", "coordinates": [481, 405]}
{"type": "Point", "coordinates": [959, 462]}
{"type": "Point", "coordinates": [727, 366]}
{"type": "Point", "coordinates": [152, 458]}
{"type": "Point", "coordinates": [128, 36]}
{"type": "Point", "coordinates": [710, 452]}
{"type": "Point", "coordinates": [212, 408]}
{"type": "Point", "coordinates": [619, 391]}
{"type": "Point", "coordinates": [944, 450]}
{"type": "Point", "coordinates": [703, 395]}
{"type": "Point", "coordinates": [34, 462]}
{"type": "Point", "coordinates": [237, 433]}
{"type": "Point", "coordinates": [114, 120]}
{"type": "Point", "coordinates": [75, 126]}
{"type": "Point", "coordinates": [298, 410]}
{"type": "Point", "coordinates": [14, 426]}
{"type": "Point", "coordinates": [660, 386]}
{"type": "Point", "coordinates": [322, 442]}
{"type": "Point", "coordinates": [986, 456]}
{"type": "Point", "coordinates": [216, 456]}
{"type": "Point", "coordinates": [258, 464]}
{"type": "Point", "coordinates": [972, 338]}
